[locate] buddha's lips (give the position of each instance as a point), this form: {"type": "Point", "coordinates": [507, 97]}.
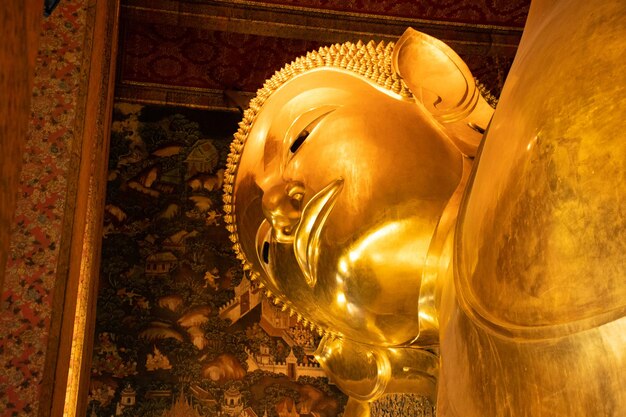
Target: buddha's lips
{"type": "Point", "coordinates": [307, 235]}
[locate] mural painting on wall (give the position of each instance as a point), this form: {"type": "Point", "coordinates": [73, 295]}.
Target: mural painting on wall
{"type": "Point", "coordinates": [180, 330]}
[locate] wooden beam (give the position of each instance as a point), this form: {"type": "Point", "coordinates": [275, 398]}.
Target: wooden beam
{"type": "Point", "coordinates": [168, 95]}
{"type": "Point", "coordinates": [240, 16]}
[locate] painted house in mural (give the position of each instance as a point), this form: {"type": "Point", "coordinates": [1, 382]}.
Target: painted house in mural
{"type": "Point", "coordinates": [128, 398]}
{"type": "Point", "coordinates": [276, 323]}
{"type": "Point", "coordinates": [202, 159]}
{"type": "Point", "coordinates": [160, 263]}
{"type": "Point", "coordinates": [249, 296]}
{"type": "Point", "coordinates": [290, 367]}
{"type": "Point", "coordinates": [232, 406]}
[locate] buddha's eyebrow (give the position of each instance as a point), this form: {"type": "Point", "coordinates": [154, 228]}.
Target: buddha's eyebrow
{"type": "Point", "coordinates": [302, 126]}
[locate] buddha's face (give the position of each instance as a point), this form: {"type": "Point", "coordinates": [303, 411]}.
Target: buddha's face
{"type": "Point", "coordinates": [338, 195]}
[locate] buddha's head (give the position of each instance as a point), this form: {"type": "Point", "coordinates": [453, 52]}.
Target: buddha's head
{"type": "Point", "coordinates": [339, 178]}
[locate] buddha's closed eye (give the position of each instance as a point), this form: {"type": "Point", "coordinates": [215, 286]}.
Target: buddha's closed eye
{"type": "Point", "coordinates": [303, 127]}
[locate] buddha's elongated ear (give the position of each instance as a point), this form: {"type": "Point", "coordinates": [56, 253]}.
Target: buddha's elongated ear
{"type": "Point", "coordinates": [442, 82]}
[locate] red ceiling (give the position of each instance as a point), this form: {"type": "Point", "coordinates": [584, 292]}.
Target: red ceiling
{"type": "Point", "coordinates": [189, 57]}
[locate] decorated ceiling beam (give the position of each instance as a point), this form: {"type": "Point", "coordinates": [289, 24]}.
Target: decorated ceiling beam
{"type": "Point", "coordinates": [323, 24]}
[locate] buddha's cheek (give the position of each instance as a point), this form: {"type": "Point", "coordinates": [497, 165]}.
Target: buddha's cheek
{"type": "Point", "coordinates": [375, 281]}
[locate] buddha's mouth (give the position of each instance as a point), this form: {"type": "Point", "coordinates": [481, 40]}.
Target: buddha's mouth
{"type": "Point", "coordinates": [306, 243]}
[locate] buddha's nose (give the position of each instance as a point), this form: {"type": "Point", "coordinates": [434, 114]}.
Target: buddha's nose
{"type": "Point", "coordinates": [282, 206]}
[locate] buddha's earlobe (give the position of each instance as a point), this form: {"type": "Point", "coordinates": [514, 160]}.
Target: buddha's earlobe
{"type": "Point", "coordinates": [436, 75]}
{"type": "Point", "coordinates": [444, 85]}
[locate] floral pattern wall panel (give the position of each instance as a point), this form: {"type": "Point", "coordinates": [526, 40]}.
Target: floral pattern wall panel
{"type": "Point", "coordinates": [180, 329]}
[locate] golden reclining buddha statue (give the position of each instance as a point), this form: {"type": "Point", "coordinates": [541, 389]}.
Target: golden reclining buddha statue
{"type": "Point", "coordinates": [444, 250]}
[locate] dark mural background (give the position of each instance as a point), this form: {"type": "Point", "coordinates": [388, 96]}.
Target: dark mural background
{"type": "Point", "coordinates": [180, 330]}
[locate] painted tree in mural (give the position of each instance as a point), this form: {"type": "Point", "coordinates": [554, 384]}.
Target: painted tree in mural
{"type": "Point", "coordinates": [180, 329]}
